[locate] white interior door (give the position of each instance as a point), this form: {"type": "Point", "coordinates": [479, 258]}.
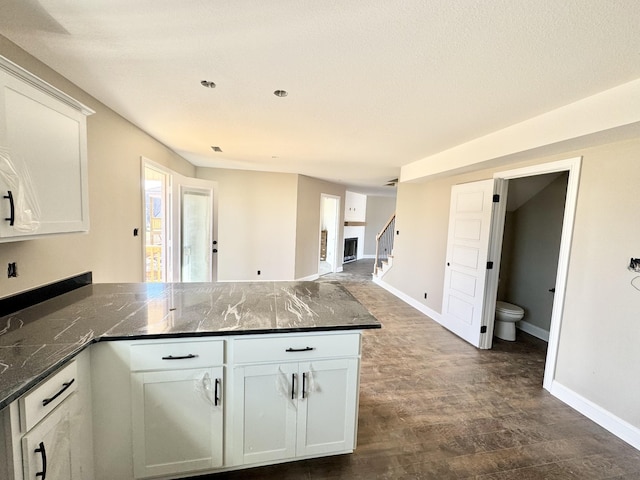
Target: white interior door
{"type": "Point", "coordinates": [193, 207]}
{"type": "Point", "coordinates": [467, 251]}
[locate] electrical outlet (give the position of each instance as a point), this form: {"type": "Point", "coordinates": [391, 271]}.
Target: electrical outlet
{"type": "Point", "coordinates": [258, 272]}
{"type": "Point", "coordinates": [425, 295]}
{"type": "Point", "coordinates": [12, 270]}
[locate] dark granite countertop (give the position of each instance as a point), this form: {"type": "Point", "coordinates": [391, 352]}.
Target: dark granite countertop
{"type": "Point", "coordinates": [37, 340]}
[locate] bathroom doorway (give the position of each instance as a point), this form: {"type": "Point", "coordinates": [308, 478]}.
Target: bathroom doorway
{"type": "Point", "coordinates": [531, 247]}
{"type": "Point", "coordinates": [570, 168]}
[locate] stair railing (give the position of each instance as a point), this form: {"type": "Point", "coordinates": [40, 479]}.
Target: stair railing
{"type": "Point", "coordinates": [384, 243]}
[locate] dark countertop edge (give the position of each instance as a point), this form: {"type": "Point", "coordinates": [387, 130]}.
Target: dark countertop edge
{"type": "Point", "coordinates": [5, 402]}
{"type": "Point", "coordinates": [229, 333]}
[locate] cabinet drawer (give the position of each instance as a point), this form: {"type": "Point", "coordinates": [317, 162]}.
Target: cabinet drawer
{"type": "Point", "coordinates": [37, 403]}
{"type": "Point", "coordinates": [177, 355]}
{"type": "Point", "coordinates": [296, 348]}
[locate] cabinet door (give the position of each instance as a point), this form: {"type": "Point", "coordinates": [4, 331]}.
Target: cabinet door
{"type": "Point", "coordinates": [177, 421]}
{"type": "Point", "coordinates": [327, 406]}
{"type": "Point", "coordinates": [265, 417]}
{"type": "Point", "coordinates": [44, 163]}
{"type": "Point", "coordinates": [46, 449]}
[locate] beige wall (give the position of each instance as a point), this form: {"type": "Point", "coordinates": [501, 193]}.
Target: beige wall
{"type": "Point", "coordinates": [598, 350]}
{"type": "Point", "coordinates": [308, 223]}
{"type": "Point", "coordinates": [256, 223]}
{"type": "Point", "coordinates": [379, 210]}
{"type": "Point", "coordinates": [115, 202]}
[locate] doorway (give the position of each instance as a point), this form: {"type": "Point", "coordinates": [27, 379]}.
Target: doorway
{"type": "Point", "coordinates": [180, 226]}
{"type": "Point", "coordinates": [473, 258]}
{"type": "Point", "coordinates": [531, 247]}
{"type": "Point", "coordinates": [329, 224]}
{"type": "Point", "coordinates": [570, 167]}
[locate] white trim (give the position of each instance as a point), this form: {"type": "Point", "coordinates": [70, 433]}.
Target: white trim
{"type": "Point", "coordinates": [534, 330]}
{"type": "Point", "coordinates": [572, 165]}
{"type": "Point", "coordinates": [432, 314]}
{"type": "Point", "coordinates": [602, 112]}
{"type": "Point", "coordinates": [597, 414]}
{"type": "Point", "coordinates": [308, 278]}
{"type": "Point", "coordinates": [24, 75]}
{"type": "Point", "coordinates": [367, 256]}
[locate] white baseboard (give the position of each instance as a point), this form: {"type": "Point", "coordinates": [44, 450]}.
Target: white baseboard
{"type": "Point", "coordinates": [408, 300]}
{"type": "Point", "coordinates": [620, 428]}
{"type": "Point", "coordinates": [532, 329]}
{"type": "Point", "coordinates": [368, 256]}
{"type": "Point", "coordinates": [309, 278]}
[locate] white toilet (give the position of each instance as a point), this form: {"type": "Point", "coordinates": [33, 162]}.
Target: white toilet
{"type": "Point", "coordinates": [507, 315]}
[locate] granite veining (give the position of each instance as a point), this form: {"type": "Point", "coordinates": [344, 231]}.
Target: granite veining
{"type": "Point", "coordinates": [37, 340]}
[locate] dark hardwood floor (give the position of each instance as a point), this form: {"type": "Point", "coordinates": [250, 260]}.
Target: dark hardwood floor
{"type": "Point", "coordinates": [433, 407]}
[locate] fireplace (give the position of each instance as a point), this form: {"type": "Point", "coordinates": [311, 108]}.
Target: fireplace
{"type": "Point", "coordinates": [350, 249]}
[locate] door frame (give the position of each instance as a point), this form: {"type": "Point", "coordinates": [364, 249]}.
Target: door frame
{"type": "Point", "coordinates": [573, 166]}
{"type": "Point", "coordinates": [336, 226]}
{"type": "Point", "coordinates": [172, 227]}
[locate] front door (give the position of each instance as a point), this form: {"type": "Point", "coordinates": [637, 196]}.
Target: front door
{"type": "Point", "coordinates": [467, 251]}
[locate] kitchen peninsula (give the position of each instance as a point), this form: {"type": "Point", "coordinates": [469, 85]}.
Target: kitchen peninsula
{"type": "Point", "coordinates": [167, 380]}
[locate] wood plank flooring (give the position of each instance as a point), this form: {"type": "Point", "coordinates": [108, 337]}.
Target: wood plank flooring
{"type": "Point", "coordinates": [433, 407]}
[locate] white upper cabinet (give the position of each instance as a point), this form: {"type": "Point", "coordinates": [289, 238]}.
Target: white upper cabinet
{"type": "Point", "coordinates": [355, 207]}
{"type": "Point", "coordinates": [43, 158]}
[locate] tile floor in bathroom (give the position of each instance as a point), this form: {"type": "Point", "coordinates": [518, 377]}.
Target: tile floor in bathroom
{"type": "Point", "coordinates": [434, 407]}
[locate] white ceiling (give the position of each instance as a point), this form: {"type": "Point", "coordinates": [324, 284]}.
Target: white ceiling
{"type": "Point", "coordinates": [373, 84]}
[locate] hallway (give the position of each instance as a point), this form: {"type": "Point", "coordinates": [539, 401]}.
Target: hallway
{"type": "Point", "coordinates": [434, 407]}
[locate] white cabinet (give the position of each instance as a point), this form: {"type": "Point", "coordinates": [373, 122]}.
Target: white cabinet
{"type": "Point", "coordinates": [48, 430]}
{"type": "Point", "coordinates": [43, 158]}
{"type": "Point", "coordinates": [355, 207]}
{"type": "Point", "coordinates": [296, 408]}
{"type": "Point", "coordinates": [177, 412]}
{"type": "Point", "coordinates": [46, 449]}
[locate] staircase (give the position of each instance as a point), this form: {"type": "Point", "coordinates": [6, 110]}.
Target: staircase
{"type": "Point", "coordinates": [384, 248]}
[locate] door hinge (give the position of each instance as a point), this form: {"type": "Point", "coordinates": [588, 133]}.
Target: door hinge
{"type": "Point", "coordinates": [483, 329]}
{"type": "Point", "coordinates": [489, 265]}
{"type": "Point", "coordinates": [496, 198]}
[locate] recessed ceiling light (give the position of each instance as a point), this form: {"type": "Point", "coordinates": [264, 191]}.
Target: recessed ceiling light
{"type": "Point", "coordinates": [215, 148]}
{"type": "Point", "coordinates": [280, 93]}
{"type": "Point", "coordinates": [208, 84]}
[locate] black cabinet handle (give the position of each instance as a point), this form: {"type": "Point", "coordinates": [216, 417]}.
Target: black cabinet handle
{"type": "Point", "coordinates": [66, 385]}
{"type": "Point", "coordinates": [12, 208]}
{"type": "Point", "coordinates": [41, 450]}
{"type": "Point", "coordinates": [305, 349]}
{"type": "Point", "coordinates": [304, 383]}
{"type": "Point", "coordinates": [552, 290]}
{"type": "Point", "coordinates": [183, 357]}
{"type": "Point", "coordinates": [293, 386]}
{"type": "Point", "coordinates": [216, 396]}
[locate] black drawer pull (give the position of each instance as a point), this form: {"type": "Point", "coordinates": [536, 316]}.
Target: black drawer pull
{"type": "Point", "coordinates": [41, 450]}
{"type": "Point", "coordinates": [293, 386]}
{"type": "Point", "coordinates": [305, 349]}
{"type": "Point", "coordinates": [12, 208]}
{"type": "Point", "coordinates": [183, 357]}
{"type": "Point", "coordinates": [66, 385]}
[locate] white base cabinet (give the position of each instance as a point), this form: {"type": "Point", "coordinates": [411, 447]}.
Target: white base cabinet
{"type": "Point", "coordinates": [295, 409]}
{"type": "Point", "coordinates": [176, 406]}
{"type": "Point", "coordinates": [48, 431]}
{"type": "Point", "coordinates": [170, 408]}
{"type": "Point", "coordinates": [177, 421]}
